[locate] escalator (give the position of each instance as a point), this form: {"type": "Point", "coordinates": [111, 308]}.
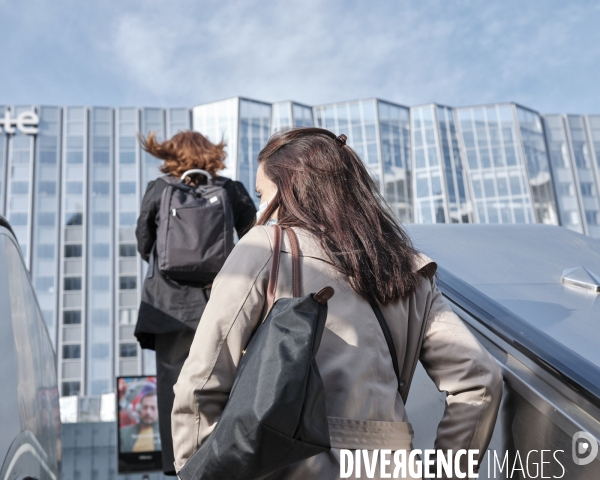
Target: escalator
{"type": "Point", "coordinates": [30, 428]}
{"type": "Point", "coordinates": [530, 295]}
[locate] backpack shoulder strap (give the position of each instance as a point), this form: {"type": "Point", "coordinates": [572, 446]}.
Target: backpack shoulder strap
{"type": "Point", "coordinates": [221, 181]}
{"type": "Point", "coordinates": [390, 342]}
{"type": "Point", "coordinates": [160, 184]}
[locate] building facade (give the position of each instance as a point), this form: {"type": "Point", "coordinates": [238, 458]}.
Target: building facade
{"type": "Point", "coordinates": [72, 190]}
{"type": "Point", "coordinates": [378, 131]}
{"type": "Point", "coordinates": [72, 180]}
{"type": "Point", "coordinates": [576, 171]}
{"type": "Point", "coordinates": [438, 177]}
{"type": "Point", "coordinates": [508, 171]}
{"type": "Point", "coordinates": [245, 125]}
{"type": "Point", "coordinates": [291, 115]}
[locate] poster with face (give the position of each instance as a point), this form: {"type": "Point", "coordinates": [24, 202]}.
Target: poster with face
{"type": "Point", "coordinates": [138, 434]}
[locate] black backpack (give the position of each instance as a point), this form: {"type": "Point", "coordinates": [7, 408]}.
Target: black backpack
{"type": "Point", "coordinates": [195, 231]}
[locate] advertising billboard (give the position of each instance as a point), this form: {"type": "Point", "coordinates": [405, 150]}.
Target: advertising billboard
{"type": "Point", "coordinates": [139, 447]}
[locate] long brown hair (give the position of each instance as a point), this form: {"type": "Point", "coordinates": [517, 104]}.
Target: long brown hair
{"type": "Point", "coordinates": [185, 151]}
{"type": "Point", "coordinates": [324, 187]}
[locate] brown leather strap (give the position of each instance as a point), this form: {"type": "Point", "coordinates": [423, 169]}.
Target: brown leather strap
{"type": "Point", "coordinates": [296, 277]}
{"type": "Point", "coordinates": [272, 286]}
{"type": "Point", "coordinates": [273, 276]}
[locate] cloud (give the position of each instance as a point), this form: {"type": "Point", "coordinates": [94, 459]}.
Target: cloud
{"type": "Point", "coordinates": [543, 54]}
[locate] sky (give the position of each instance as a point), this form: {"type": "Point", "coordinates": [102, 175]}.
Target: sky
{"type": "Point", "coordinates": [544, 54]}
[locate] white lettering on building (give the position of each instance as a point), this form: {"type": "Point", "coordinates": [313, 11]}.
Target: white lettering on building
{"type": "Point", "coordinates": [26, 123]}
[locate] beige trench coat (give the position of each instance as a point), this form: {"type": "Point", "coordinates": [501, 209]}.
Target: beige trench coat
{"type": "Point", "coordinates": [363, 403]}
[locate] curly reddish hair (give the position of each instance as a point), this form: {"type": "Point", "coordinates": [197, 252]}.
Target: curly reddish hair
{"type": "Point", "coordinates": [185, 151]}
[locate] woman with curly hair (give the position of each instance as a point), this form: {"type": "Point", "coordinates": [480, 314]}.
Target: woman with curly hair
{"type": "Point", "coordinates": [170, 310]}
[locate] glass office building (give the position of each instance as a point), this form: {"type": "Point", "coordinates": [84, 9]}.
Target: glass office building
{"type": "Point", "coordinates": [245, 125]}
{"type": "Point", "coordinates": [568, 195]}
{"type": "Point", "coordinates": [507, 164]}
{"type": "Point", "coordinates": [575, 171]}
{"type": "Point", "coordinates": [72, 192]}
{"type": "Point", "coordinates": [438, 176]}
{"type": "Point", "coordinates": [379, 133]}
{"type": "Point", "coordinates": [593, 129]}
{"type": "Point", "coordinates": [72, 188]}
{"type": "Point", "coordinates": [291, 115]}
{"type": "Point", "coordinates": [593, 122]}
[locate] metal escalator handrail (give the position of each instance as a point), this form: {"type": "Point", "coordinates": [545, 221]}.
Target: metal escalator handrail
{"type": "Point", "coordinates": [569, 367]}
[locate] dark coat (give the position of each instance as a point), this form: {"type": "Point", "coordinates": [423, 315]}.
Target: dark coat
{"type": "Point", "coordinates": [168, 306]}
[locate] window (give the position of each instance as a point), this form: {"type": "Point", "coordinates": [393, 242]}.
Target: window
{"type": "Point", "coordinates": [44, 284]}
{"type": "Point", "coordinates": [502, 186]}
{"type": "Point", "coordinates": [46, 218]}
{"type": "Point", "coordinates": [422, 187]}
{"type": "Point", "coordinates": [127, 250]}
{"type": "Point", "coordinates": [99, 387]}
{"type": "Point", "coordinates": [128, 350]}
{"type": "Point", "coordinates": [100, 250]}
{"type": "Point", "coordinates": [45, 250]}
{"type": "Point", "coordinates": [18, 219]}
{"type": "Point", "coordinates": [515, 186]}
{"type": "Point", "coordinates": [48, 156]}
{"type": "Point", "coordinates": [126, 188]}
{"type": "Point", "coordinates": [127, 316]}
{"type": "Point", "coordinates": [574, 218]}
{"type": "Point", "coordinates": [19, 155]}
{"type": "Point", "coordinates": [19, 188]}
{"type": "Point", "coordinates": [100, 316]}
{"type": "Point", "coordinates": [591, 217]}
{"type": "Point", "coordinates": [436, 185]}
{"type": "Point", "coordinates": [73, 283]}
{"type": "Point", "coordinates": [564, 188]}
{"type": "Point", "coordinates": [100, 282]}
{"type": "Point", "coordinates": [101, 218]}
{"type": "Point", "coordinates": [71, 351]}
{"type": "Point", "coordinates": [70, 388]}
{"type": "Point", "coordinates": [587, 189]}
{"type": "Point", "coordinates": [47, 188]}
{"type": "Point", "coordinates": [477, 189]}
{"type": "Point", "coordinates": [101, 158]}
{"type": "Point", "coordinates": [74, 218]}
{"type": "Point", "coordinates": [488, 185]}
{"type": "Point", "coordinates": [74, 188]}
{"type": "Point", "coordinates": [126, 157]}
{"type": "Point", "coordinates": [71, 317]}
{"type": "Point", "coordinates": [101, 188]}
{"type": "Point", "coordinates": [74, 157]}
{"type": "Point", "coordinates": [73, 251]}
{"type": "Point", "coordinates": [127, 218]}
{"type": "Point", "coordinates": [100, 350]}
{"type": "Point", "coordinates": [127, 283]}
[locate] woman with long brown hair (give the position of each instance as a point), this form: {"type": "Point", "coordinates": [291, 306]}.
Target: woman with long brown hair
{"type": "Point", "coordinates": [170, 310]}
{"type": "Point", "coordinates": [310, 181]}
